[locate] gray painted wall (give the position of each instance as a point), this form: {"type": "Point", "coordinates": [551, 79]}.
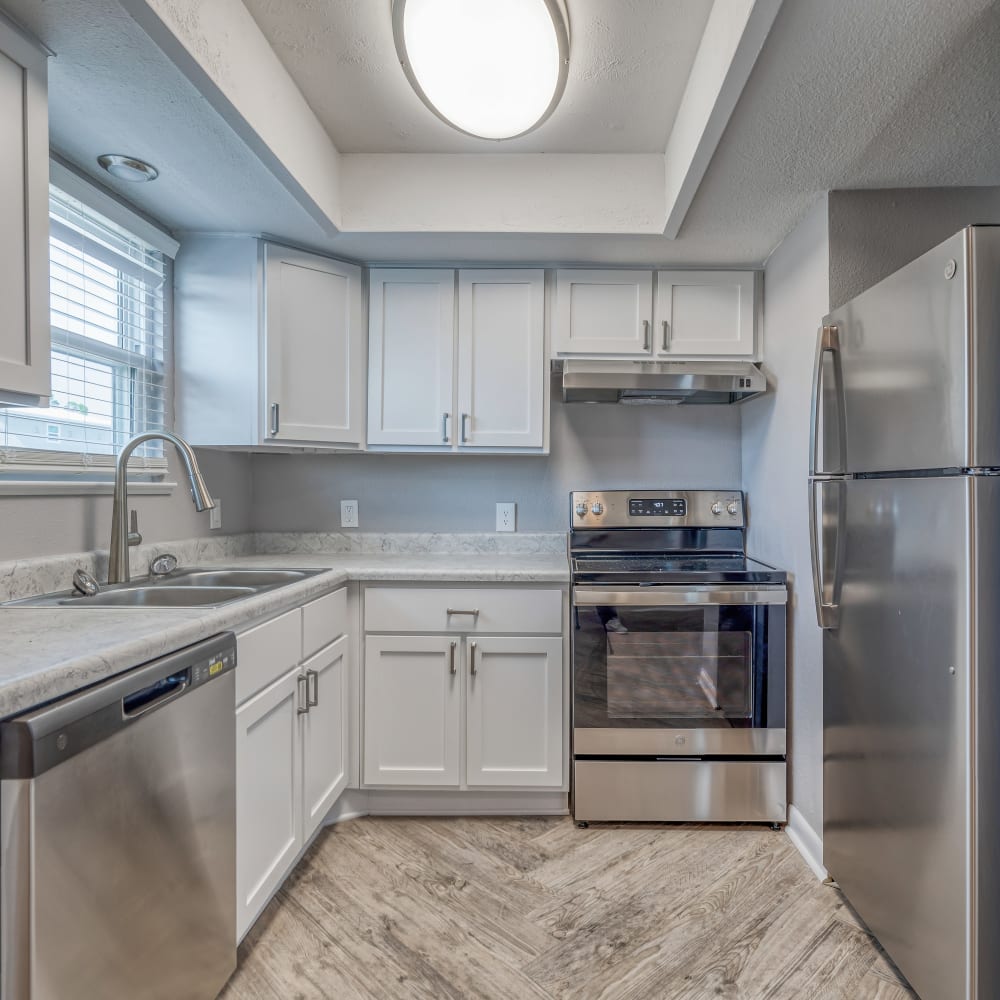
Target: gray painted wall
{"type": "Point", "coordinates": [593, 447]}
{"type": "Point", "coordinates": [775, 463]}
{"type": "Point", "coordinates": [873, 233]}
{"type": "Point", "coordinates": [49, 525]}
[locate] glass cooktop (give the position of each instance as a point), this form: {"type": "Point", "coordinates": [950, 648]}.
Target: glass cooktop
{"type": "Point", "coordinates": [672, 568]}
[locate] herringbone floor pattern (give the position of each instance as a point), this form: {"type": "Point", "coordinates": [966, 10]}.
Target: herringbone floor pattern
{"type": "Point", "coordinates": [512, 909]}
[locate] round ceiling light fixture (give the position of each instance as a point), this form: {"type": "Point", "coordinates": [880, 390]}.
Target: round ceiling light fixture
{"type": "Point", "coordinates": [493, 69]}
{"type": "Point", "coordinates": [128, 168]}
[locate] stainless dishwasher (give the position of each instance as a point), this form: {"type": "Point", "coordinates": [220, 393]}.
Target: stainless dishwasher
{"type": "Point", "coordinates": [118, 836]}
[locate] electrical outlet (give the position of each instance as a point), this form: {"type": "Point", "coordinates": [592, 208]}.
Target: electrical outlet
{"type": "Point", "coordinates": [348, 513]}
{"type": "Point", "coordinates": [507, 516]}
{"type": "Point", "coordinates": [215, 514]}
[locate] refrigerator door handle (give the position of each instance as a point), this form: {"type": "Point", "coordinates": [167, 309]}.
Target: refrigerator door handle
{"type": "Point", "coordinates": [826, 538]}
{"type": "Point", "coordinates": [828, 342]}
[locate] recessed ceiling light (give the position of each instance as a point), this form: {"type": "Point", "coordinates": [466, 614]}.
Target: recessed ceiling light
{"type": "Point", "coordinates": [128, 168]}
{"type": "Point", "coordinates": [494, 69]}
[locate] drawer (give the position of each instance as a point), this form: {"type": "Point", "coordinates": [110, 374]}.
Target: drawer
{"type": "Point", "coordinates": [267, 651]}
{"type": "Point", "coordinates": [323, 620]}
{"type": "Point", "coordinates": [402, 609]}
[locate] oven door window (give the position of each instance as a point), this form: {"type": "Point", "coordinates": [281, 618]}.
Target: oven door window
{"type": "Point", "coordinates": [689, 667]}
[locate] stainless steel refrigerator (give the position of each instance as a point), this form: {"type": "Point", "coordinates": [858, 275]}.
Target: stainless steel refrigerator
{"type": "Point", "coordinates": [905, 525]}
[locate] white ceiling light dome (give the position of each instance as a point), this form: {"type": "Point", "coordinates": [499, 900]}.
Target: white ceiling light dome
{"type": "Point", "coordinates": [494, 69]}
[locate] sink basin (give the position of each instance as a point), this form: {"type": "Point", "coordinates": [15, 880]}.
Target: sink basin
{"type": "Point", "coordinates": [160, 596]}
{"type": "Point", "coordinates": [235, 578]}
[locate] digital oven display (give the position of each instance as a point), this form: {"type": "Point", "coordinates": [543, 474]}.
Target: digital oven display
{"type": "Point", "coordinates": [641, 507]}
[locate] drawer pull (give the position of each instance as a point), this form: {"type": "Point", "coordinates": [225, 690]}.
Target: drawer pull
{"type": "Point", "coordinates": [472, 658]}
{"type": "Point", "coordinates": [458, 611]}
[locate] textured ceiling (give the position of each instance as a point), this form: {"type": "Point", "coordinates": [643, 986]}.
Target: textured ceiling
{"type": "Point", "coordinates": [898, 93]}
{"type": "Point", "coordinates": [629, 64]}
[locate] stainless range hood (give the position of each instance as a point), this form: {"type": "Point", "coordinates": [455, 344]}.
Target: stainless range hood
{"type": "Point", "coordinates": [669, 382]}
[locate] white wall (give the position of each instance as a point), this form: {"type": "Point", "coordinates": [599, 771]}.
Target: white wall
{"type": "Point", "coordinates": [593, 447]}
{"type": "Point", "coordinates": [50, 525]}
{"type": "Point", "coordinates": [775, 438]}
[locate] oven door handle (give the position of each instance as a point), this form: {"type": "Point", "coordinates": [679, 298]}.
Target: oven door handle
{"type": "Point", "coordinates": [678, 596]}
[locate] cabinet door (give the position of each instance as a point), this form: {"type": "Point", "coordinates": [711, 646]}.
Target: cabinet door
{"type": "Point", "coordinates": [603, 312]}
{"type": "Point", "coordinates": [324, 734]}
{"type": "Point", "coordinates": [24, 221]}
{"type": "Point", "coordinates": [412, 710]}
{"type": "Point", "coordinates": [314, 379]}
{"type": "Point", "coordinates": [411, 348]}
{"type": "Point", "coordinates": [515, 711]}
{"type": "Point", "coordinates": [268, 795]}
{"type": "Point", "coordinates": [705, 312]}
{"type": "Point", "coordinates": [501, 359]}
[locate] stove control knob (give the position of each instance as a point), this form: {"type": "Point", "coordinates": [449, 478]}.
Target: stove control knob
{"type": "Point", "coordinates": [597, 508]}
{"type": "Point", "coordinates": [581, 510]}
{"type": "Point", "coordinates": [716, 508]}
{"type": "Point", "coordinates": [733, 507]}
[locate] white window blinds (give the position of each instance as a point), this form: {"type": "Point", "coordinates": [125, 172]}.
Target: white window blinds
{"type": "Point", "coordinates": [109, 372]}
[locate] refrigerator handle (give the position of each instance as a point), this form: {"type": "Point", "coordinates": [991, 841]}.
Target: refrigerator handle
{"type": "Point", "coordinates": [828, 342]}
{"type": "Point", "coordinates": [827, 612]}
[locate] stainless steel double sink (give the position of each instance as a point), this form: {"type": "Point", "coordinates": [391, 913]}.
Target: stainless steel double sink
{"type": "Point", "coordinates": [183, 588]}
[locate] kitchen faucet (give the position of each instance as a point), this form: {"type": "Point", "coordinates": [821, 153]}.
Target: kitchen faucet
{"type": "Point", "coordinates": [121, 537]}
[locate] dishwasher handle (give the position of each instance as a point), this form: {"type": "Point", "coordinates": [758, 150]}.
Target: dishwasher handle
{"type": "Point", "coordinates": [138, 703]}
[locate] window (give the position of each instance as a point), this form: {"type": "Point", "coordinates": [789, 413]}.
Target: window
{"type": "Point", "coordinates": [109, 372]}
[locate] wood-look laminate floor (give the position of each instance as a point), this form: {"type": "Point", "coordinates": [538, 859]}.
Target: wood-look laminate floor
{"type": "Point", "coordinates": [513, 909]}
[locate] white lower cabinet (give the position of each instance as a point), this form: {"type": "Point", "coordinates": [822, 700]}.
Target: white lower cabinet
{"type": "Point", "coordinates": [413, 700]}
{"type": "Point", "coordinates": [514, 711]}
{"type": "Point", "coordinates": [268, 796]}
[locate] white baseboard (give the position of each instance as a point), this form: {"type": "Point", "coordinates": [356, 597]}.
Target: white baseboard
{"type": "Point", "coordinates": [807, 842]}
{"type": "Point", "coordinates": [355, 803]}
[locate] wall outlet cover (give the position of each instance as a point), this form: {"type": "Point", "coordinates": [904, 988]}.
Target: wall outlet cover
{"type": "Point", "coordinates": [215, 515]}
{"type": "Point", "coordinates": [348, 513]}
{"type": "Point", "coordinates": [507, 516]}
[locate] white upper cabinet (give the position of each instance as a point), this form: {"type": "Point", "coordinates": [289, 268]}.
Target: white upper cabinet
{"type": "Point", "coordinates": [24, 220]}
{"type": "Point", "coordinates": [691, 314]}
{"type": "Point", "coordinates": [411, 357]}
{"type": "Point", "coordinates": [501, 359]}
{"type": "Point", "coordinates": [314, 348]}
{"type": "Point", "coordinates": [457, 379]}
{"type": "Point", "coordinates": [704, 312]}
{"type": "Point", "coordinates": [269, 345]}
{"type": "Point", "coordinates": [603, 312]}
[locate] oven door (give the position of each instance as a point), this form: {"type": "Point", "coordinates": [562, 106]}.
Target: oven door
{"type": "Point", "coordinates": [679, 670]}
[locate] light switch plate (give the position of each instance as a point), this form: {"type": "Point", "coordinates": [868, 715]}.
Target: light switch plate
{"type": "Point", "coordinates": [215, 514]}
{"type": "Point", "coordinates": [507, 516]}
{"type": "Point", "coordinates": [348, 513]}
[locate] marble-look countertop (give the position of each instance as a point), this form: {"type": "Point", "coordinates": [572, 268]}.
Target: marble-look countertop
{"type": "Point", "coordinates": [50, 652]}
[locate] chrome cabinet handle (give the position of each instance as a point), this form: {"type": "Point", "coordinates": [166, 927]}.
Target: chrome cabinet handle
{"type": "Point", "coordinates": [458, 611]}
{"type": "Point", "coordinates": [451, 658]}
{"type": "Point", "coordinates": [444, 427]}
{"type": "Point", "coordinates": [666, 336]}
{"type": "Point", "coordinates": [312, 688]}
{"type": "Point", "coordinates": [828, 342]}
{"type": "Point", "coordinates": [827, 611]}
{"type": "Point", "coordinates": [465, 435]}
{"type": "Point", "coordinates": [275, 423]}
{"type": "Point", "coordinates": [645, 334]}
{"type": "Point", "coordinates": [472, 659]}
{"type": "Point", "coordinates": [303, 706]}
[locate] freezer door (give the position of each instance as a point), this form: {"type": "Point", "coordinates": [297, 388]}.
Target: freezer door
{"type": "Point", "coordinates": [896, 831]}
{"type": "Point", "coordinates": [904, 360]}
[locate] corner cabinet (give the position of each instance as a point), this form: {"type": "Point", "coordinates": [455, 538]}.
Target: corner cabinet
{"type": "Point", "coordinates": [269, 346]}
{"type": "Point", "coordinates": [481, 706]}
{"type": "Point", "coordinates": [656, 315]}
{"type": "Point", "coordinates": [457, 360]}
{"type": "Point", "coordinates": [24, 220]}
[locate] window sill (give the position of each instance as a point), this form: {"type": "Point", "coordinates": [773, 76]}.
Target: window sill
{"type": "Point", "coordinates": [70, 488]}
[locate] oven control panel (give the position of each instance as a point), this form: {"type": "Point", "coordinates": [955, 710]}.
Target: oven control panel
{"type": "Point", "coordinates": [656, 508]}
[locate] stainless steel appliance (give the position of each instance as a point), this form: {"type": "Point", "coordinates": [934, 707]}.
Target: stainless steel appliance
{"type": "Point", "coordinates": [905, 517]}
{"type": "Point", "coordinates": [678, 661]}
{"type": "Point", "coordinates": [117, 825]}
